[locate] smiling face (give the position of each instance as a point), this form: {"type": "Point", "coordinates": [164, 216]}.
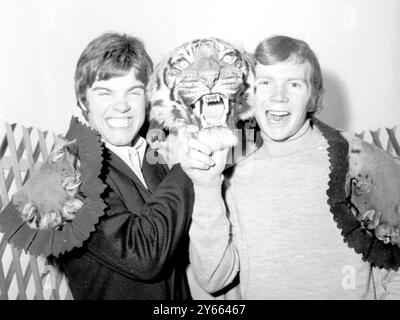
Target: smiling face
{"type": "Point", "coordinates": [283, 91]}
{"type": "Point", "coordinates": [117, 108]}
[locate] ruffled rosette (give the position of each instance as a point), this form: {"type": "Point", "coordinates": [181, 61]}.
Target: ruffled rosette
{"type": "Point", "coordinates": [73, 233]}
{"type": "Point", "coordinates": [373, 250]}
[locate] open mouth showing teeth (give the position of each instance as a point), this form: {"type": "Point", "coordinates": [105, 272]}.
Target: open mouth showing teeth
{"type": "Point", "coordinates": [212, 109]}
{"type": "Point", "coordinates": [277, 116]}
{"type": "Point", "coordinates": [118, 122]}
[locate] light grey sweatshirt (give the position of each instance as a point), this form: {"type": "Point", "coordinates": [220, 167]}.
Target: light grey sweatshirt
{"type": "Point", "coordinates": [278, 230]}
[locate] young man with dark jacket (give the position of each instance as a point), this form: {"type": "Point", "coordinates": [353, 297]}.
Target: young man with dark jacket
{"type": "Point", "coordinates": [139, 247]}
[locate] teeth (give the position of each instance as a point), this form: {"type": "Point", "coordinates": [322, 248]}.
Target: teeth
{"type": "Point", "coordinates": [226, 103]}
{"type": "Point", "coordinates": [214, 98]}
{"type": "Point", "coordinates": [212, 109]}
{"type": "Point", "coordinates": [118, 122]}
{"type": "Point", "coordinates": [278, 113]}
{"type": "Point", "coordinates": [276, 116]}
{"type": "Point", "coordinates": [197, 108]}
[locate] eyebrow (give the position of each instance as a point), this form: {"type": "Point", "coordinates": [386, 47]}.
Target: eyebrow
{"type": "Point", "coordinates": [139, 86]}
{"type": "Point", "coordinates": [298, 79]}
{"type": "Point", "coordinates": [290, 79]}
{"type": "Point", "coordinates": [101, 88]}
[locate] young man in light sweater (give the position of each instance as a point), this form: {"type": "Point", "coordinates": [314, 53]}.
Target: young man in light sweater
{"type": "Point", "coordinates": [275, 228]}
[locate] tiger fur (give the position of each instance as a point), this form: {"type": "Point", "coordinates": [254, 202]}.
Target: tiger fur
{"type": "Point", "coordinates": [207, 83]}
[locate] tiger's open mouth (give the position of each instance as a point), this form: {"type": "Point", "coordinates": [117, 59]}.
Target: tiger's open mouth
{"type": "Point", "coordinates": [212, 109]}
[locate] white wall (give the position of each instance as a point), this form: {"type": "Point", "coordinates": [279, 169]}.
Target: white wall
{"type": "Point", "coordinates": [357, 42]}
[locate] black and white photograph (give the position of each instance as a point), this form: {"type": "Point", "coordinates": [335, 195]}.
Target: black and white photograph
{"type": "Point", "coordinates": [213, 151]}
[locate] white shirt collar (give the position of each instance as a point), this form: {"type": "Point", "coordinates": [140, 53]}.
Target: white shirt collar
{"type": "Point", "coordinates": [139, 146]}
{"type": "Point", "coordinates": [132, 156]}
{"type": "Point", "coordinates": [124, 152]}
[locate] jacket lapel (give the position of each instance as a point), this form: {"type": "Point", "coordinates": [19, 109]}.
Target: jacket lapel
{"type": "Point", "coordinates": [153, 173]}
{"type": "Point", "coordinates": [121, 166]}
{"type": "Point", "coordinates": [375, 252]}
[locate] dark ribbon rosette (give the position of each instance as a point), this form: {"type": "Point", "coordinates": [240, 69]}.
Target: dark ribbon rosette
{"type": "Point", "coordinates": [55, 241]}
{"type": "Point", "coordinates": [373, 250]}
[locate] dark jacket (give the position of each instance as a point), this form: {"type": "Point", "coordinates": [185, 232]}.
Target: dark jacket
{"type": "Point", "coordinates": [139, 249]}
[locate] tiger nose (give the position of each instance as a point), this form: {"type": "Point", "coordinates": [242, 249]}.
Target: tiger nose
{"type": "Point", "coordinates": [210, 71]}
{"type": "Point", "coordinates": [209, 78]}
{"type": "Point", "coordinates": [209, 63]}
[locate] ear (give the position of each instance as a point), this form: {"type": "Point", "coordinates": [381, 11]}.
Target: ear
{"type": "Point", "coordinates": [312, 105]}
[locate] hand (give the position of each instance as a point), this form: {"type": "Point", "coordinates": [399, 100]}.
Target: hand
{"type": "Point", "coordinates": [212, 175]}
{"type": "Point", "coordinates": [201, 164]}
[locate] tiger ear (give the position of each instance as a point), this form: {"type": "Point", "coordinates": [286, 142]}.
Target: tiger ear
{"type": "Point", "coordinates": [155, 81]}
{"type": "Point", "coordinates": [247, 101]}
{"type": "Point", "coordinates": [250, 59]}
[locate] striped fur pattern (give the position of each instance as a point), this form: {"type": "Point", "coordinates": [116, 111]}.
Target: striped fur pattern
{"type": "Point", "coordinates": [205, 82]}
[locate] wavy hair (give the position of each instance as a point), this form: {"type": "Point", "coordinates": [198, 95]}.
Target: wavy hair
{"type": "Point", "coordinates": [281, 48]}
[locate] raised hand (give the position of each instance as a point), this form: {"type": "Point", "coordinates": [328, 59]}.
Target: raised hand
{"type": "Point", "coordinates": [202, 164]}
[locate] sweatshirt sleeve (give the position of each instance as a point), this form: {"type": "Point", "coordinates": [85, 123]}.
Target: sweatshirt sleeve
{"type": "Point", "coordinates": [213, 256]}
